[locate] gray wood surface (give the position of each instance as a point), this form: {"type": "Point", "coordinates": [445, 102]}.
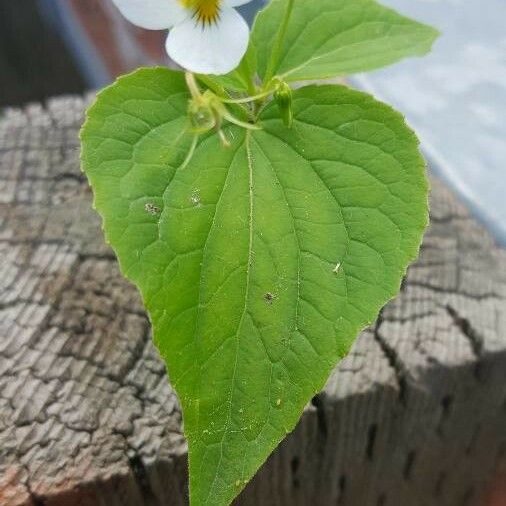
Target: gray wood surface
{"type": "Point", "coordinates": [415, 415]}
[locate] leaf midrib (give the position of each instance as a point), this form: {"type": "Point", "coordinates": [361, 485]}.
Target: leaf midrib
{"type": "Point", "coordinates": [247, 145]}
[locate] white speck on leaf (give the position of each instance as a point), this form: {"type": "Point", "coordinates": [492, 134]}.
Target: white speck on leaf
{"type": "Point", "coordinates": [337, 267]}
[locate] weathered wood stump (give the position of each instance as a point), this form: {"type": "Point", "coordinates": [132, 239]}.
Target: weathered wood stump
{"type": "Point", "coordinates": [415, 415]}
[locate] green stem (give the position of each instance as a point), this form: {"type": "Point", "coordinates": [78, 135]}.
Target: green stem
{"type": "Point", "coordinates": [189, 155]}
{"type": "Point", "coordinates": [191, 82]}
{"type": "Point", "coordinates": [212, 85]}
{"type": "Point", "coordinates": [238, 122]}
{"type": "Point", "coordinates": [218, 90]}
{"type": "Point", "coordinates": [246, 100]}
{"type": "Point", "coordinates": [278, 44]}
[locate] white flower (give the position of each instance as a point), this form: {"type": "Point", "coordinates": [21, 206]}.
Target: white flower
{"type": "Point", "coordinates": [206, 36]}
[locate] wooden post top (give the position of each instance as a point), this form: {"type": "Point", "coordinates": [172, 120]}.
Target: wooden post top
{"type": "Point", "coordinates": [415, 415]}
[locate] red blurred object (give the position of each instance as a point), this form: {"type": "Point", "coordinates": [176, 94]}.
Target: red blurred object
{"type": "Point", "coordinates": [120, 45]}
{"type": "Point", "coordinates": [497, 491]}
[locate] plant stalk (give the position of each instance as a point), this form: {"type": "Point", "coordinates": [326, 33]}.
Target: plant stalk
{"type": "Point", "coordinates": [278, 44]}
{"type": "Point", "coordinates": [191, 82]}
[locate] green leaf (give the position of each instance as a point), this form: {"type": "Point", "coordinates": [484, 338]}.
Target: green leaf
{"type": "Point", "coordinates": [329, 38]}
{"type": "Point", "coordinates": [258, 263]}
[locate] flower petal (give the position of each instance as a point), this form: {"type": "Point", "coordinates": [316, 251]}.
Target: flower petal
{"type": "Point", "coordinates": [153, 14]}
{"type": "Point", "coordinates": [235, 3]}
{"type": "Point", "coordinates": [209, 49]}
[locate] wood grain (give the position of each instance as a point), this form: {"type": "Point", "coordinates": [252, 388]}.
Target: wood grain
{"type": "Point", "coordinates": [415, 415]}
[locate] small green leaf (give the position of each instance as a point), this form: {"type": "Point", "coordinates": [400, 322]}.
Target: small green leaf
{"type": "Point", "coordinates": [329, 38]}
{"type": "Point", "coordinates": [258, 263]}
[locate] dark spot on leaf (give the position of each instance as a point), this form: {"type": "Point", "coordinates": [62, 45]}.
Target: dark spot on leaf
{"type": "Point", "coordinates": [152, 209]}
{"type": "Point", "coordinates": [269, 297]}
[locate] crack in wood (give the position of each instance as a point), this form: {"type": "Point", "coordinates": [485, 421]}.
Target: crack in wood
{"type": "Point", "coordinates": [475, 339]}
{"type": "Point", "coordinates": [318, 402]}
{"type": "Point", "coordinates": [473, 336]}
{"type": "Point", "coordinates": [393, 359]}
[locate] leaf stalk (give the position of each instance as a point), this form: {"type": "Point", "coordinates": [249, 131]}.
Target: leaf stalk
{"type": "Point", "coordinates": [278, 44]}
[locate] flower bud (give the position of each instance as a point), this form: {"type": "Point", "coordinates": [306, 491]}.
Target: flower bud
{"type": "Point", "coordinates": [283, 96]}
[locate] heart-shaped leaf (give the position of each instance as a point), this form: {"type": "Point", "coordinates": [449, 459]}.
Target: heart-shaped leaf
{"type": "Point", "coordinates": [328, 38]}
{"type": "Point", "coordinates": [258, 263]}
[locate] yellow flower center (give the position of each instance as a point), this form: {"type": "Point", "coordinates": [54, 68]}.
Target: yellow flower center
{"type": "Point", "coordinates": [206, 11]}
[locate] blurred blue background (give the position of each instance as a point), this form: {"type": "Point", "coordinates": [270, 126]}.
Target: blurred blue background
{"type": "Point", "coordinates": [455, 98]}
